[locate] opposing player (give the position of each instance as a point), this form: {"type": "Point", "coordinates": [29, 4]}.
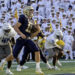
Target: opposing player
{"type": "Point", "coordinates": [7, 33]}
{"type": "Point", "coordinates": [53, 47]}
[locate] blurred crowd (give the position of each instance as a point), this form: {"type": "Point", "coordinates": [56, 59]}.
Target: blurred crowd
{"type": "Point", "coordinates": [51, 15]}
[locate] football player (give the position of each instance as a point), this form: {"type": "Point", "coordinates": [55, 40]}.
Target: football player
{"type": "Point", "coordinates": [23, 39]}
{"type": "Point", "coordinates": [54, 49]}
{"type": "Point", "coordinates": [6, 34]}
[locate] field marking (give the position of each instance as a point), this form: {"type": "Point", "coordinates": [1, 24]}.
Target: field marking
{"type": "Point", "coordinates": [32, 62]}
{"type": "Point", "coordinates": [60, 61]}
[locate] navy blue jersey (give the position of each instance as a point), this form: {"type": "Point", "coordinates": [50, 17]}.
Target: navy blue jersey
{"type": "Point", "coordinates": [24, 24]}
{"type": "Point", "coordinates": [28, 43]}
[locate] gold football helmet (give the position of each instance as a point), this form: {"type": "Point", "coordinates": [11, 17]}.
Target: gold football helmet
{"type": "Point", "coordinates": [60, 43]}
{"type": "Point", "coordinates": [28, 11]}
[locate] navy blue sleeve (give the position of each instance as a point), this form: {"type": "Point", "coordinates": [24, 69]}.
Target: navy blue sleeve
{"type": "Point", "coordinates": [22, 19]}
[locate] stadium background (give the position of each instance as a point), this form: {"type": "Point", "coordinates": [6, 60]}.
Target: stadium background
{"type": "Point", "coordinates": [49, 15]}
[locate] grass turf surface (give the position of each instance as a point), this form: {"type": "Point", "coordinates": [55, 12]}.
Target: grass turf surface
{"type": "Point", "coordinates": [66, 68]}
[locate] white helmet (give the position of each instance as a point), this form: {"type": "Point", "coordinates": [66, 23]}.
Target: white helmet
{"type": "Point", "coordinates": [6, 27]}
{"type": "Point", "coordinates": [58, 33]}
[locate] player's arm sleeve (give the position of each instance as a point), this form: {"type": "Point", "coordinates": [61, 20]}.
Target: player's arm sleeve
{"type": "Point", "coordinates": [13, 32]}
{"type": "Point", "coordinates": [22, 19]}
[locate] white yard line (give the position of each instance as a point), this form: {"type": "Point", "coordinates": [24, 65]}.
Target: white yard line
{"type": "Point", "coordinates": [50, 62]}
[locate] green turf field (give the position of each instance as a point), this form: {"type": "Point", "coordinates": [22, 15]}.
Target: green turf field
{"type": "Point", "coordinates": [68, 67]}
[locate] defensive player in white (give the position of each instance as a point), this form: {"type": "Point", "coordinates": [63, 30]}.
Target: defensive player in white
{"type": "Point", "coordinates": [53, 48]}
{"type": "Point", "coordinates": [6, 33]}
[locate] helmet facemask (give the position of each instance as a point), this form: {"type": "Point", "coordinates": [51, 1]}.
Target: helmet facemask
{"type": "Point", "coordinates": [58, 37]}
{"type": "Point", "coordinates": [6, 32]}
{"type": "Point", "coordinates": [6, 29]}
{"type": "Point", "coordinates": [58, 34]}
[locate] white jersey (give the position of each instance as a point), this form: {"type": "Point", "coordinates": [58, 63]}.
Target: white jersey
{"type": "Point", "coordinates": [50, 41]}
